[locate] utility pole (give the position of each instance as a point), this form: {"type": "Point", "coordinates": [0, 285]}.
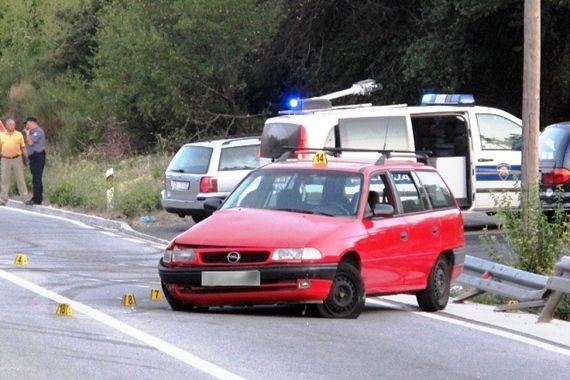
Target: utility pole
{"type": "Point", "coordinates": [530, 112]}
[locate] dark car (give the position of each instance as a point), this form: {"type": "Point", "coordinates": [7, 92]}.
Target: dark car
{"type": "Point", "coordinates": [554, 164]}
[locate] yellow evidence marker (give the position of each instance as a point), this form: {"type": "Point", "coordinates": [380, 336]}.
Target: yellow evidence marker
{"type": "Point", "coordinates": [320, 158]}
{"type": "Point", "coordinates": [155, 294]}
{"type": "Point", "coordinates": [64, 309]}
{"type": "Point", "coordinates": [129, 300]}
{"type": "Point", "coordinates": [21, 259]}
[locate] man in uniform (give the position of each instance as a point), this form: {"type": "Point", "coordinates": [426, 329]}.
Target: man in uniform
{"type": "Point", "coordinates": [36, 139]}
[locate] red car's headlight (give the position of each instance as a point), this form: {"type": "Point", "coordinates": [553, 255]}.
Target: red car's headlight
{"type": "Point", "coordinates": [179, 254]}
{"type": "Point", "coordinates": [296, 254]}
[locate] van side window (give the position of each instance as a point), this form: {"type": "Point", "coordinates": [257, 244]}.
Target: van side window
{"type": "Point", "coordinates": [389, 132]}
{"type": "Point", "coordinates": [408, 192]}
{"type": "Point", "coordinates": [499, 133]}
{"type": "Point", "coordinates": [437, 191]}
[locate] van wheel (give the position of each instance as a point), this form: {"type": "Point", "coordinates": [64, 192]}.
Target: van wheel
{"type": "Point", "coordinates": [436, 294]}
{"type": "Point", "coordinates": [346, 298]}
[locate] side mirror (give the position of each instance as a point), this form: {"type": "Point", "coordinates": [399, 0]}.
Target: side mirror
{"type": "Point", "coordinates": [212, 204]}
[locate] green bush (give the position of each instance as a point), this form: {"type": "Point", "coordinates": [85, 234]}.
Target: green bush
{"type": "Point", "coordinates": [563, 310]}
{"type": "Point", "coordinates": [65, 194]}
{"type": "Point", "coordinates": [75, 182]}
{"type": "Point", "coordinates": [536, 251]}
{"type": "Point", "coordinates": [138, 200]}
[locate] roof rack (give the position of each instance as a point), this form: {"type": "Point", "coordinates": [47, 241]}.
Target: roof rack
{"type": "Point", "coordinates": [237, 138]}
{"type": "Point", "coordinates": [229, 138]}
{"type": "Point", "coordinates": [334, 151]}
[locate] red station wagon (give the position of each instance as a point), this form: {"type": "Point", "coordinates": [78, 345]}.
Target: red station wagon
{"type": "Point", "coordinates": [326, 232]}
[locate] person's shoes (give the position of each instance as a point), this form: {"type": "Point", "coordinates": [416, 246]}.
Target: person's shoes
{"type": "Point", "coordinates": [2, 202]}
{"type": "Point", "coordinates": [29, 202]}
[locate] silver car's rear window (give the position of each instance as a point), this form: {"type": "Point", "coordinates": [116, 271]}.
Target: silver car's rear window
{"type": "Point", "coordinates": [239, 158]}
{"type": "Point", "coordinates": [191, 159]}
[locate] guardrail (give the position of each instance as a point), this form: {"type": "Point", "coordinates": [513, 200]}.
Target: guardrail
{"type": "Point", "coordinates": [529, 289]}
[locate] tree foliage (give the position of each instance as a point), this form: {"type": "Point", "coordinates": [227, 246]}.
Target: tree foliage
{"type": "Point", "coordinates": [162, 72]}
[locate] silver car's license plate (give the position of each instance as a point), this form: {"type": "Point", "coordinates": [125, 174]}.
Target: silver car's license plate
{"type": "Point", "coordinates": [231, 278]}
{"type": "Point", "coordinates": [180, 185]}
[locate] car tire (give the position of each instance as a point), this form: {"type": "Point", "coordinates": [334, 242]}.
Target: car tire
{"type": "Point", "coordinates": [436, 294]}
{"type": "Point", "coordinates": [346, 298]}
{"type": "Point", "coordinates": [177, 305]}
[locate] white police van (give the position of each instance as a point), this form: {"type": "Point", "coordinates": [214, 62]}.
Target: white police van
{"type": "Point", "coordinates": [476, 149]}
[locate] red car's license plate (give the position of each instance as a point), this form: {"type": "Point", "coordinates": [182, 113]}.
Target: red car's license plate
{"type": "Point", "coordinates": [231, 278]}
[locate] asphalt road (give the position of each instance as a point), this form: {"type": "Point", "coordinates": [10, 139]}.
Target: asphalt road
{"type": "Point", "coordinates": [92, 269]}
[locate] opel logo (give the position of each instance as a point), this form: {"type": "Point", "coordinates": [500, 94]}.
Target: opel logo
{"type": "Point", "coordinates": [233, 257]}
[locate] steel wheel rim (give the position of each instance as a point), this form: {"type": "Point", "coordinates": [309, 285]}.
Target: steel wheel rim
{"type": "Point", "coordinates": [440, 283]}
{"type": "Point", "coordinates": [343, 295]}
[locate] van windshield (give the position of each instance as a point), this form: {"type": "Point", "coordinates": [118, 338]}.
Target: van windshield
{"type": "Point", "coordinates": [191, 159]}
{"type": "Point", "coordinates": [277, 135]}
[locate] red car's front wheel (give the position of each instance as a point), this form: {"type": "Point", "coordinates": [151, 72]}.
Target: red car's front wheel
{"type": "Point", "coordinates": [346, 298]}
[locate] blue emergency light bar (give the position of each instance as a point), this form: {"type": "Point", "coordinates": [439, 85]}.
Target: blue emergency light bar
{"type": "Point", "coordinates": [293, 103]}
{"type": "Point", "coordinates": [447, 99]}
{"type": "Point", "coordinates": [296, 104]}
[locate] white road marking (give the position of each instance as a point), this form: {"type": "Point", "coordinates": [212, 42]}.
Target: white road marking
{"type": "Point", "coordinates": [159, 344]}
{"type": "Point", "coordinates": [108, 233]}
{"type": "Point", "coordinates": [473, 326]}
{"type": "Point", "coordinates": [138, 241]}
{"type": "Point", "coordinates": [77, 223]}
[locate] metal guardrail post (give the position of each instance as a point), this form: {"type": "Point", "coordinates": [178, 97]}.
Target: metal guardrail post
{"type": "Point", "coordinates": [559, 285]}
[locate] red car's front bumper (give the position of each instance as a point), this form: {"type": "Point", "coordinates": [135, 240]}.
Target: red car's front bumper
{"type": "Point", "coordinates": [285, 292]}
{"type": "Point", "coordinates": [278, 284]}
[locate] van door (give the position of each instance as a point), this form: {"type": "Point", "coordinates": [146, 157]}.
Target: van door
{"type": "Point", "coordinates": [497, 143]}
{"type": "Point", "coordinates": [447, 137]}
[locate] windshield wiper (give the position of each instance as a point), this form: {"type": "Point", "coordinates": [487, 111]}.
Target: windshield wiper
{"type": "Point", "coordinates": [304, 211]}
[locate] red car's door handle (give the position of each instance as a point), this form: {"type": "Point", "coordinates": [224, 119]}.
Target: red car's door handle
{"type": "Point", "coordinates": [435, 230]}
{"type": "Point", "coordinates": [404, 235]}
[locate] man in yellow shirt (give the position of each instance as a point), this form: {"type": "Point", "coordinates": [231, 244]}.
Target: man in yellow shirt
{"type": "Point", "coordinates": [12, 151]}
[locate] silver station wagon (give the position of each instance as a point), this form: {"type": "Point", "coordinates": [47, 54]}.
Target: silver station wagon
{"type": "Point", "coordinates": [208, 169]}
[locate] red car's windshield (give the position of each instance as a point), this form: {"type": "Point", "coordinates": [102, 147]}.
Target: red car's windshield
{"type": "Point", "coordinates": [308, 191]}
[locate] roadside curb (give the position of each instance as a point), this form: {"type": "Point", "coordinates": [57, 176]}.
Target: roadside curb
{"type": "Point", "coordinates": [91, 220]}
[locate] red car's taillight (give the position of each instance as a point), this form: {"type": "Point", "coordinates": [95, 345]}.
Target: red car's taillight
{"type": "Point", "coordinates": [557, 176]}
{"type": "Point", "coordinates": [208, 185]}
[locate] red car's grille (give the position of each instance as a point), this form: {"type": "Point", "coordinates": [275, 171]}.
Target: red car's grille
{"type": "Point", "coordinates": [244, 257]}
